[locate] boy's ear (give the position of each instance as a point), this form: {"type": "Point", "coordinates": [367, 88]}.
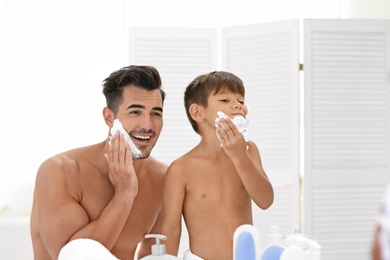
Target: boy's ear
{"type": "Point", "coordinates": [108, 116]}
{"type": "Point", "coordinates": [196, 112]}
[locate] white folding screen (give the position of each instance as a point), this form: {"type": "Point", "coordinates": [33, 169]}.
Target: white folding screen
{"type": "Point", "coordinates": [180, 54]}
{"type": "Point", "coordinates": [266, 57]}
{"type": "Point", "coordinates": [346, 108]}
{"type": "Point", "coordinates": [347, 138]}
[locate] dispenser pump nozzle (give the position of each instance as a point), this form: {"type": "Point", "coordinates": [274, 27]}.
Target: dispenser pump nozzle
{"type": "Point", "coordinates": [158, 248]}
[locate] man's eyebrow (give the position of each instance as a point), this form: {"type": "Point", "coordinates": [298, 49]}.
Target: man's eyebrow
{"type": "Point", "coordinates": [135, 106]}
{"type": "Point", "coordinates": [158, 109]}
{"type": "Point", "coordinates": [143, 107]}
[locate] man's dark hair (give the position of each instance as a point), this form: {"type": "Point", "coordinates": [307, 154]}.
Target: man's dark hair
{"type": "Point", "coordinates": [145, 77]}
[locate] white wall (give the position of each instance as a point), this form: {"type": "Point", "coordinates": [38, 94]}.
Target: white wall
{"type": "Point", "coordinates": [57, 53]}
{"type": "Point", "coordinates": [378, 9]}
{"type": "Point", "coordinates": [54, 55]}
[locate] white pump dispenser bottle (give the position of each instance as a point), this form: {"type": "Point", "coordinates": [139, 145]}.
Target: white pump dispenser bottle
{"type": "Point", "coordinates": [275, 238]}
{"type": "Point", "coordinates": [158, 249]}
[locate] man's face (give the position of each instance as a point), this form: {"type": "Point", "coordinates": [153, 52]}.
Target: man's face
{"type": "Point", "coordinates": [141, 114]}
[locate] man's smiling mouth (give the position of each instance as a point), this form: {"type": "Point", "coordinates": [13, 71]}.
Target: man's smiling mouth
{"type": "Point", "coordinates": [141, 137]}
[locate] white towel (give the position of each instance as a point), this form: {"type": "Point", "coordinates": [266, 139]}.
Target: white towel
{"type": "Point", "coordinates": [85, 249]}
{"type": "Point", "coordinates": [190, 256]}
{"type": "Point", "coordinates": [117, 125]}
{"type": "Point", "coordinates": [241, 123]}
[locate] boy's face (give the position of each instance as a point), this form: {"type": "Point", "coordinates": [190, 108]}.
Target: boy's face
{"type": "Point", "coordinates": [230, 103]}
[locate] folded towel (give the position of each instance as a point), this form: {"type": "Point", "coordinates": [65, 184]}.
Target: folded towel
{"type": "Point", "coordinates": [117, 125]}
{"type": "Point", "coordinates": [85, 249]}
{"type": "Point", "coordinates": [241, 123]}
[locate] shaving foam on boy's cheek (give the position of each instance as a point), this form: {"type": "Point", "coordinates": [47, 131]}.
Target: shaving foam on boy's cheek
{"type": "Point", "coordinates": [240, 122]}
{"type": "Point", "coordinates": [117, 125]}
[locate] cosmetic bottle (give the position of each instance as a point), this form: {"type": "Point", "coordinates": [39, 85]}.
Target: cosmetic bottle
{"type": "Point", "coordinates": [158, 249]}
{"type": "Point", "coordinates": [275, 246]}
{"type": "Point", "coordinates": [314, 250]}
{"type": "Point", "coordinates": [246, 243]}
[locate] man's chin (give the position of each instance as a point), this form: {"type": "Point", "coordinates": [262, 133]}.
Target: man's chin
{"type": "Point", "coordinates": [144, 155]}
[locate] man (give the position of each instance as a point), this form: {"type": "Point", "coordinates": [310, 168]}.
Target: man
{"type": "Point", "coordinates": [100, 192]}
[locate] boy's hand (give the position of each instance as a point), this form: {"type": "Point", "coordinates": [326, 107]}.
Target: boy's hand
{"type": "Point", "coordinates": [231, 139]}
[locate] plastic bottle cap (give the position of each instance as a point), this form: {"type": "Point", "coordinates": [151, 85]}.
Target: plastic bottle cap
{"type": "Point", "coordinates": [297, 238]}
{"type": "Point", "coordinates": [275, 238]}
{"type": "Point", "coordinates": [158, 248]}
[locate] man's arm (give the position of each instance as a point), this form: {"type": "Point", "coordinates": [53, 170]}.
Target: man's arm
{"type": "Point", "coordinates": [173, 198]}
{"type": "Point", "coordinates": [62, 218]}
{"type": "Point", "coordinates": [146, 244]}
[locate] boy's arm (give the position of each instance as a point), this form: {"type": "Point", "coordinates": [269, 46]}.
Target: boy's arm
{"type": "Point", "coordinates": [247, 161]}
{"type": "Point", "coordinates": [173, 198]}
{"type": "Point", "coordinates": [253, 176]}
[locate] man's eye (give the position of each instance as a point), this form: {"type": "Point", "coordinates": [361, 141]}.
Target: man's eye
{"type": "Point", "coordinates": [157, 114]}
{"type": "Point", "coordinates": [135, 112]}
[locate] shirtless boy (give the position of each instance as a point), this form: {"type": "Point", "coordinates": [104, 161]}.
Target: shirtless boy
{"type": "Point", "coordinates": [213, 185]}
{"type": "Point", "coordinates": [100, 192]}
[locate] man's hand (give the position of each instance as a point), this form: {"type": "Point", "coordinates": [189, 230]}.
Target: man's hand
{"type": "Point", "coordinates": [120, 165]}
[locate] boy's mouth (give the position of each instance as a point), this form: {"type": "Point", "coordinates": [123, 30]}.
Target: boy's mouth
{"type": "Point", "coordinates": [238, 114]}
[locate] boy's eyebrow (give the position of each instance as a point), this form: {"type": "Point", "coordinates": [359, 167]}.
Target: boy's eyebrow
{"type": "Point", "coordinates": [226, 92]}
{"type": "Point", "coordinates": [143, 107]}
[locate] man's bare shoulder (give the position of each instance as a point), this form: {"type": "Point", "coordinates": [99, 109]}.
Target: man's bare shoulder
{"type": "Point", "coordinates": [66, 164]}
{"type": "Point", "coordinates": [155, 166]}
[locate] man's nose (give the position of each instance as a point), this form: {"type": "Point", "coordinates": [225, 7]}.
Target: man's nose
{"type": "Point", "coordinates": [146, 122]}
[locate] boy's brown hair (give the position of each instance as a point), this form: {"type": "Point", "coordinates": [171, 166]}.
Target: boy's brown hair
{"type": "Point", "coordinates": [199, 90]}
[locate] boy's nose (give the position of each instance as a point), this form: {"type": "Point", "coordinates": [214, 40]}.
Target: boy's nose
{"type": "Point", "coordinates": [238, 105]}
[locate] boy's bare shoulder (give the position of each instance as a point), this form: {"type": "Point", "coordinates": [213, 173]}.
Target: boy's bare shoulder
{"type": "Point", "coordinates": [186, 159]}
{"type": "Point", "coordinates": [186, 163]}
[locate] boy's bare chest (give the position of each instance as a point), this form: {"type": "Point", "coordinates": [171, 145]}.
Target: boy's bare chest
{"type": "Point", "coordinates": [213, 183]}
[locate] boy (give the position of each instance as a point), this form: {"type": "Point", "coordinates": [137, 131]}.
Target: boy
{"type": "Point", "coordinates": [213, 184]}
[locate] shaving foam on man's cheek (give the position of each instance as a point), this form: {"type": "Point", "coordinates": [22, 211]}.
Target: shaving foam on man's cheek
{"type": "Point", "coordinates": [117, 125]}
{"type": "Point", "coordinates": [241, 123]}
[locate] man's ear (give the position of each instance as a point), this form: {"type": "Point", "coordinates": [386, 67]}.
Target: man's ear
{"type": "Point", "coordinates": [196, 112]}
{"type": "Point", "coordinates": [108, 116]}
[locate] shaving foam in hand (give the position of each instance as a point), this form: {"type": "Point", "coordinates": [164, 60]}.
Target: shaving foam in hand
{"type": "Point", "coordinates": [241, 123]}
{"type": "Point", "coordinates": [117, 125]}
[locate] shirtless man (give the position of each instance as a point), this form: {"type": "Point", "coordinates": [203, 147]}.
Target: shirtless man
{"type": "Point", "coordinates": [213, 185]}
{"type": "Point", "coordinates": [100, 192]}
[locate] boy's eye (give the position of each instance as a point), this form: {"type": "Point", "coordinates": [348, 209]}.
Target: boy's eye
{"type": "Point", "coordinates": [224, 100]}
{"type": "Point", "coordinates": [241, 102]}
